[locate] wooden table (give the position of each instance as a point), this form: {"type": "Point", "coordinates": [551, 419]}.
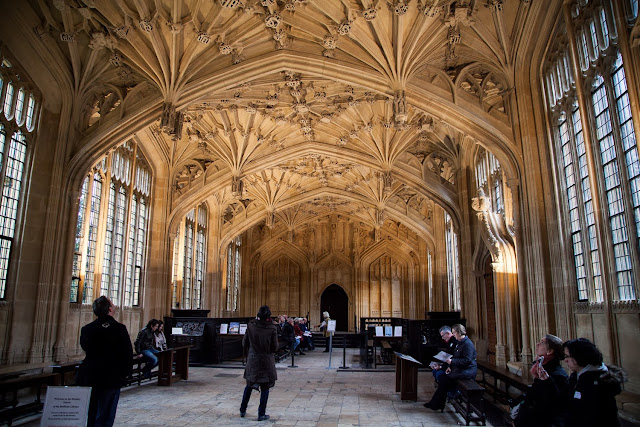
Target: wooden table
{"type": "Point", "coordinates": [166, 359]}
{"type": "Point", "coordinates": [407, 376]}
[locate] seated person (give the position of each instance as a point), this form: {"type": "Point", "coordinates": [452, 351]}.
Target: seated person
{"type": "Point", "coordinates": [462, 366]}
{"type": "Point", "coordinates": [144, 346]}
{"type": "Point", "coordinates": [439, 369]}
{"type": "Point", "coordinates": [288, 335]}
{"type": "Point", "coordinates": [308, 338]}
{"type": "Point", "coordinates": [160, 339]}
{"type": "Point", "coordinates": [297, 332]}
{"type": "Point", "coordinates": [541, 405]}
{"type": "Point", "coordinates": [592, 386]}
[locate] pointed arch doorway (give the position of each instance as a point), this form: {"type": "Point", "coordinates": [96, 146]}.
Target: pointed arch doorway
{"type": "Point", "coordinates": [335, 300]}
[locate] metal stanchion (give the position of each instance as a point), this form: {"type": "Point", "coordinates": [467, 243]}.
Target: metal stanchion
{"type": "Point", "coordinates": [293, 356]}
{"type": "Point", "coordinates": [330, 348]}
{"type": "Point", "coordinates": [344, 353]}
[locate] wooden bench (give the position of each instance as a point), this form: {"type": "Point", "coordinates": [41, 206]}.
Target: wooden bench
{"type": "Point", "coordinates": [469, 402]}
{"type": "Point", "coordinates": [11, 386]}
{"type": "Point", "coordinates": [64, 369]}
{"type": "Point", "coordinates": [500, 392]}
{"type": "Point", "coordinates": [137, 371]}
{"type": "Point", "coordinates": [284, 350]}
{"type": "Point", "coordinates": [499, 388]}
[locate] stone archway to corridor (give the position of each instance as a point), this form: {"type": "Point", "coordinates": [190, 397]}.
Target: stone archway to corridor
{"type": "Point", "coordinates": [335, 300]}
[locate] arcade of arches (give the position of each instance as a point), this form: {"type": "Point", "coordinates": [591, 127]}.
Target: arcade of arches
{"type": "Point", "coordinates": [393, 156]}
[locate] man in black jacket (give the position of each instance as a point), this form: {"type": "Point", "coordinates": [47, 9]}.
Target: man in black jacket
{"type": "Point", "coordinates": [107, 364]}
{"type": "Point", "coordinates": [450, 344]}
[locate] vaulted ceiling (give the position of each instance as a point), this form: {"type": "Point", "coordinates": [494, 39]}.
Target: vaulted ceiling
{"type": "Point", "coordinates": [299, 108]}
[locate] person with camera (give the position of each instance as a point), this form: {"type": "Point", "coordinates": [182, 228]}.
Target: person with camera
{"type": "Point", "coordinates": [541, 405]}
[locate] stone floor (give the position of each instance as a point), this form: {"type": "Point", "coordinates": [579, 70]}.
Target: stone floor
{"type": "Point", "coordinates": [310, 395]}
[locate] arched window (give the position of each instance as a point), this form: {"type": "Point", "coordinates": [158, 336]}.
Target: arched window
{"type": "Point", "coordinates": [12, 160]}
{"type": "Point", "coordinates": [189, 260]}
{"type": "Point", "coordinates": [453, 268]}
{"type": "Point", "coordinates": [613, 156]}
{"type": "Point", "coordinates": [31, 110]}
{"type": "Point", "coordinates": [234, 265]}
{"type": "Point", "coordinates": [490, 179]}
{"type": "Point", "coordinates": [8, 100]}
{"type": "Point", "coordinates": [111, 232]}
{"type": "Point", "coordinates": [19, 105]}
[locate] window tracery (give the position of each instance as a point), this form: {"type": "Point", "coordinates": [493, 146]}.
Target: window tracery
{"type": "Point", "coordinates": [614, 154]}
{"type": "Point", "coordinates": [112, 227]}
{"type": "Point", "coordinates": [453, 268]}
{"type": "Point", "coordinates": [189, 260]}
{"type": "Point", "coordinates": [14, 139]}
{"type": "Point", "coordinates": [234, 264]}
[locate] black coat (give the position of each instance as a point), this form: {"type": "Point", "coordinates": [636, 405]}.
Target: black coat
{"type": "Point", "coordinates": [261, 342]}
{"type": "Point", "coordinates": [463, 363]}
{"type": "Point", "coordinates": [543, 403]}
{"type": "Point", "coordinates": [592, 398]}
{"type": "Point", "coordinates": [109, 355]}
{"type": "Point", "coordinates": [145, 340]}
{"type": "Point", "coordinates": [288, 334]}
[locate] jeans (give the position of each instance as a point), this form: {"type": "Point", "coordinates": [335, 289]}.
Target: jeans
{"type": "Point", "coordinates": [152, 360]}
{"type": "Point", "coordinates": [264, 396]}
{"type": "Point", "coordinates": [102, 406]}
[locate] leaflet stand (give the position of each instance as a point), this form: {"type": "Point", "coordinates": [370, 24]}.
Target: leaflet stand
{"type": "Point", "coordinates": [331, 328]}
{"type": "Point", "coordinates": [407, 376]}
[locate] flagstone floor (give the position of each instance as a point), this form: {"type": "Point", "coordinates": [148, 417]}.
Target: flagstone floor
{"type": "Point", "coordinates": [310, 395]}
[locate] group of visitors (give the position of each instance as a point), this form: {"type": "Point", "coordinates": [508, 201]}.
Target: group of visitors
{"type": "Point", "coordinates": [585, 398]}
{"type": "Point", "coordinates": [295, 333]}
{"type": "Point", "coordinates": [150, 341]}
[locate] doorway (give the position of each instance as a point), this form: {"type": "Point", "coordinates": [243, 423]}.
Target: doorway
{"type": "Point", "coordinates": [335, 300]}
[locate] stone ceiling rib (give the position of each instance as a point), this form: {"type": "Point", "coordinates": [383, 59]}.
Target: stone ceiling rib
{"type": "Point", "coordinates": [402, 90]}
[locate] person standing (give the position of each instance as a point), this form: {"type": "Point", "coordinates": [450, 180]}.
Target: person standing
{"type": "Point", "coordinates": [324, 326]}
{"type": "Point", "coordinates": [144, 345]}
{"type": "Point", "coordinates": [261, 342]}
{"type": "Point", "coordinates": [107, 363]}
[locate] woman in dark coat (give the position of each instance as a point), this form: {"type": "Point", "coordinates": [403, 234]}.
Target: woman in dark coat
{"type": "Point", "coordinates": [592, 386]}
{"type": "Point", "coordinates": [261, 342]}
{"type": "Point", "coordinates": [542, 402]}
{"type": "Point", "coordinates": [462, 366]}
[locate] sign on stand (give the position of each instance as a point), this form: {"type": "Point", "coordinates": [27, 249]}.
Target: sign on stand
{"type": "Point", "coordinates": [66, 406]}
{"type": "Point", "coordinates": [331, 328]}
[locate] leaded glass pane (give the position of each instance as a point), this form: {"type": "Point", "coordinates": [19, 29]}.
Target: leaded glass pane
{"type": "Point", "coordinates": [31, 107]}
{"type": "Point", "coordinates": [8, 100]}
{"type": "Point", "coordinates": [92, 238]}
{"type": "Point", "coordinates": [108, 241]}
{"type": "Point", "coordinates": [188, 260]}
{"type": "Point", "coordinates": [77, 247]}
{"type": "Point", "coordinates": [614, 195]}
{"type": "Point", "coordinates": [19, 105]}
